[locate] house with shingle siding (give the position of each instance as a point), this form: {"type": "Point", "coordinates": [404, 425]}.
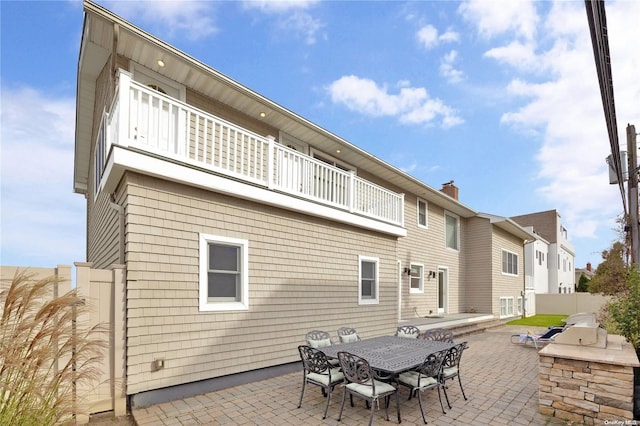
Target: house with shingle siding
{"type": "Point", "coordinates": [242, 225]}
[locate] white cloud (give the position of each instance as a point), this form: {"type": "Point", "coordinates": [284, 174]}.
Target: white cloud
{"type": "Point", "coordinates": [564, 105]}
{"type": "Point", "coordinates": [500, 16]}
{"type": "Point", "coordinates": [516, 54]}
{"type": "Point", "coordinates": [448, 70]}
{"type": "Point", "coordinates": [279, 6]}
{"type": "Point", "coordinates": [193, 19]}
{"type": "Point", "coordinates": [410, 105]}
{"type": "Point", "coordinates": [429, 38]}
{"type": "Point", "coordinates": [303, 24]}
{"type": "Point", "coordinates": [38, 203]}
{"type": "Point", "coordinates": [291, 16]}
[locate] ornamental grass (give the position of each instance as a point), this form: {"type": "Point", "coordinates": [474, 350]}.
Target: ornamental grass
{"type": "Point", "coordinates": [45, 353]}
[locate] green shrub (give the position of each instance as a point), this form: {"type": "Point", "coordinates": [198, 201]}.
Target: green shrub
{"type": "Point", "coordinates": [44, 353]}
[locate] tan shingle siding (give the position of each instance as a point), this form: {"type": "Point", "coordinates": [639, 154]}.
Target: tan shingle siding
{"type": "Point", "coordinates": [427, 246]}
{"type": "Point", "coordinates": [478, 291]}
{"type": "Point", "coordinates": [303, 275]}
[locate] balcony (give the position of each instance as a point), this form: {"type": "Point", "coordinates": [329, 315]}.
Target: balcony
{"type": "Point", "coordinates": [146, 120]}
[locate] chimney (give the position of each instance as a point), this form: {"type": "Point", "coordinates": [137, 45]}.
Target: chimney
{"type": "Point", "coordinates": [450, 189]}
{"type": "Point", "coordinates": [589, 266]}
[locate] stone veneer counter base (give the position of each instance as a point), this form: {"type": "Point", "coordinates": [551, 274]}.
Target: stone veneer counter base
{"type": "Point", "coordinates": [585, 384]}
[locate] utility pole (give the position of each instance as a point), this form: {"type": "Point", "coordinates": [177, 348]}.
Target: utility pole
{"type": "Point", "coordinates": [633, 193]}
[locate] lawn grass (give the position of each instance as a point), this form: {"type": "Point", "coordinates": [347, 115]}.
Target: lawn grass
{"type": "Point", "coordinates": [539, 320]}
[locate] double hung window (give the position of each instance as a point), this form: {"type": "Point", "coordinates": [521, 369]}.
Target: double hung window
{"type": "Point", "coordinates": [509, 263]}
{"type": "Point", "coordinates": [368, 280]}
{"type": "Point", "coordinates": [452, 231]}
{"type": "Point", "coordinates": [416, 279]}
{"type": "Point", "coordinates": [422, 213]}
{"type": "Point", "coordinates": [223, 273]}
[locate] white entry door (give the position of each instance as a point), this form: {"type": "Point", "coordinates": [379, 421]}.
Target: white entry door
{"type": "Point", "coordinates": [443, 284]}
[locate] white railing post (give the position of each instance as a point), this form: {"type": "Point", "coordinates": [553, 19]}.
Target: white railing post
{"type": "Point", "coordinates": [352, 190]}
{"type": "Point", "coordinates": [401, 208]}
{"type": "Point", "coordinates": [271, 166]}
{"type": "Point", "coordinates": [124, 122]}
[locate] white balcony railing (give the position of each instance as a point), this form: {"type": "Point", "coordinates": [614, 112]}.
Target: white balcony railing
{"type": "Point", "coordinates": [156, 123]}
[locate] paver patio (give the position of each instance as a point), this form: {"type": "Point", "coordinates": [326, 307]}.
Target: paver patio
{"type": "Point", "coordinates": [499, 378]}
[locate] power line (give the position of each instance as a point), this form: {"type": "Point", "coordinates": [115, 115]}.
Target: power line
{"type": "Point", "coordinates": [597, 19]}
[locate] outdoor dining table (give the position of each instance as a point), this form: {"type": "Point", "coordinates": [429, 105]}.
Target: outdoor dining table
{"type": "Point", "coordinates": [389, 354]}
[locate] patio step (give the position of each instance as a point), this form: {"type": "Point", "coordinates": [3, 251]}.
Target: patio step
{"type": "Point", "coordinates": [460, 330]}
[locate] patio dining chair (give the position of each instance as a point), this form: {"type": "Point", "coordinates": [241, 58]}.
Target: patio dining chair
{"type": "Point", "coordinates": [451, 368]}
{"type": "Point", "coordinates": [439, 334]}
{"type": "Point", "coordinates": [318, 371]}
{"type": "Point", "coordinates": [361, 382]}
{"type": "Point", "coordinates": [318, 339]}
{"type": "Point", "coordinates": [426, 376]}
{"type": "Point", "coordinates": [410, 331]}
{"type": "Point", "coordinates": [348, 335]}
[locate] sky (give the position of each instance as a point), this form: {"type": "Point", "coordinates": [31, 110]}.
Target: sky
{"type": "Point", "coordinates": [500, 96]}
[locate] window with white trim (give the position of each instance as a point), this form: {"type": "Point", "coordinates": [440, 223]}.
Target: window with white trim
{"type": "Point", "coordinates": [416, 278]}
{"type": "Point", "coordinates": [452, 231]}
{"type": "Point", "coordinates": [509, 263]}
{"type": "Point", "coordinates": [368, 280]}
{"type": "Point", "coordinates": [422, 213]}
{"type": "Point", "coordinates": [506, 307]}
{"type": "Point", "coordinates": [224, 273]}
{"type": "Point", "coordinates": [520, 302]}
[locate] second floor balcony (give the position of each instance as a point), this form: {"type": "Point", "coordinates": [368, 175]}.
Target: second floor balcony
{"type": "Point", "coordinates": [148, 121]}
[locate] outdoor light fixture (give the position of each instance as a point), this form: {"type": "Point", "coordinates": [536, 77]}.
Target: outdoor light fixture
{"type": "Point", "coordinates": [161, 63]}
{"type": "Point", "coordinates": [407, 271]}
{"type": "Point", "coordinates": [263, 114]}
{"type": "Point", "coordinates": [432, 274]}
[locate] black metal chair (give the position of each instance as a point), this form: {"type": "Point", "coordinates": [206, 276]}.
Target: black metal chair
{"type": "Point", "coordinates": [426, 376]}
{"type": "Point", "coordinates": [348, 335]}
{"type": "Point", "coordinates": [319, 339]}
{"type": "Point", "coordinates": [318, 371]}
{"type": "Point", "coordinates": [361, 382]}
{"type": "Point", "coordinates": [451, 368]}
{"type": "Point", "coordinates": [438, 334]}
{"type": "Point", "coordinates": [410, 331]}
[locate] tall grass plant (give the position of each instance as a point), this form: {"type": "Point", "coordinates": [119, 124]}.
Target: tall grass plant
{"type": "Point", "coordinates": [45, 353]}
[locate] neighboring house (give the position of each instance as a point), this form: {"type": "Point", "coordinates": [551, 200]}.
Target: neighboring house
{"type": "Point", "coordinates": [587, 272]}
{"type": "Point", "coordinates": [242, 225]}
{"type": "Point", "coordinates": [536, 274]}
{"type": "Point", "coordinates": [553, 268]}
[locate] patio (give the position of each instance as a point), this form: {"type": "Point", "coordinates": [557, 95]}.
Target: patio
{"type": "Point", "coordinates": [500, 380]}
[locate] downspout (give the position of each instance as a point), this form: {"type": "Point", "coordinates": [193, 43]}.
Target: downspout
{"type": "Point", "coordinates": [120, 209]}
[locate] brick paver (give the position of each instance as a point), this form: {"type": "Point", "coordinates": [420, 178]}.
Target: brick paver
{"type": "Point", "coordinates": [500, 380]}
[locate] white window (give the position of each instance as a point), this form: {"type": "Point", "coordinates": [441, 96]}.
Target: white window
{"type": "Point", "coordinates": [452, 231]}
{"type": "Point", "coordinates": [506, 307]}
{"type": "Point", "coordinates": [520, 305]}
{"type": "Point", "coordinates": [416, 278]}
{"type": "Point", "coordinates": [224, 273]}
{"type": "Point", "coordinates": [509, 263]}
{"type": "Point", "coordinates": [422, 213]}
{"type": "Point", "coordinates": [368, 280]}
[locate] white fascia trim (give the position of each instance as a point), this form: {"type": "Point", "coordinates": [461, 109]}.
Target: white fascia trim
{"type": "Point", "coordinates": [122, 159]}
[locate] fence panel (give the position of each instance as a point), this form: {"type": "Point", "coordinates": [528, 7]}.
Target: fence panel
{"type": "Point", "coordinates": [568, 304]}
{"type": "Point", "coordinates": [103, 290]}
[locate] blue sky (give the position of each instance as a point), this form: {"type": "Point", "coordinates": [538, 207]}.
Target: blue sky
{"type": "Point", "coordinates": [501, 97]}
